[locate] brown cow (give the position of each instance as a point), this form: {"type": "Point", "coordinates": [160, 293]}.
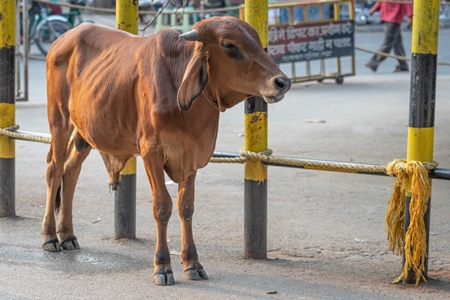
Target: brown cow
{"type": "Point", "coordinates": [127, 95]}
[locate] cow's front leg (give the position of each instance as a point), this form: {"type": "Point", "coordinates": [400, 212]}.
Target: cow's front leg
{"type": "Point", "coordinates": [193, 270]}
{"type": "Point", "coordinates": [162, 210]}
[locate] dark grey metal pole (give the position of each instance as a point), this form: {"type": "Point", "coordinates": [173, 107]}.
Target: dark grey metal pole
{"type": "Point", "coordinates": [255, 222]}
{"type": "Point", "coordinates": [422, 103]}
{"type": "Point", "coordinates": [255, 182]}
{"type": "Point", "coordinates": [125, 207]}
{"type": "Point", "coordinates": [125, 197]}
{"type": "Point", "coordinates": [7, 106]}
{"type": "Point", "coordinates": [255, 140]}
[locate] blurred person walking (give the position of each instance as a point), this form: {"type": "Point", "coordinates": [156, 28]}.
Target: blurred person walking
{"type": "Point", "coordinates": [392, 14]}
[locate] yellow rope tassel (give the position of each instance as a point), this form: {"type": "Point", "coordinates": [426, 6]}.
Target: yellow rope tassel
{"type": "Point", "coordinates": [414, 244]}
{"type": "Point", "coordinates": [395, 213]}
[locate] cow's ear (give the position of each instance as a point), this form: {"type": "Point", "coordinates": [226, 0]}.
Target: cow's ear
{"type": "Point", "coordinates": [194, 79]}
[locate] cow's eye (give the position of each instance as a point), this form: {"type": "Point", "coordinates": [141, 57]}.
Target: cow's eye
{"type": "Point", "coordinates": [232, 51]}
{"type": "Point", "coordinates": [228, 46]}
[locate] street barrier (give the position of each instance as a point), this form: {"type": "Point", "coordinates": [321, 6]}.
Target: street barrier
{"type": "Point", "coordinates": [301, 33]}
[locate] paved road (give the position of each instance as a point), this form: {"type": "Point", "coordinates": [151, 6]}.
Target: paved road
{"type": "Point", "coordinates": [326, 233]}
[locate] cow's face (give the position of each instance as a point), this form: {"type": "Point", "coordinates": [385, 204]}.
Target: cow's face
{"type": "Point", "coordinates": [229, 57]}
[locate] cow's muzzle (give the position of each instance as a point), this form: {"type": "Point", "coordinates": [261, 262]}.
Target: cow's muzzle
{"type": "Point", "coordinates": [281, 86]}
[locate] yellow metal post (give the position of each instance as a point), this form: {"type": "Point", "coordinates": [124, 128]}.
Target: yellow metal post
{"type": "Point", "coordinates": [255, 133]}
{"type": "Point", "coordinates": [257, 15]}
{"type": "Point", "coordinates": [125, 198]}
{"type": "Point", "coordinates": [127, 15]}
{"type": "Point", "coordinates": [7, 106]}
{"type": "Point", "coordinates": [421, 114]}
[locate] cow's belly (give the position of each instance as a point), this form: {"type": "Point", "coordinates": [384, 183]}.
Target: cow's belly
{"type": "Point", "coordinates": [105, 127]}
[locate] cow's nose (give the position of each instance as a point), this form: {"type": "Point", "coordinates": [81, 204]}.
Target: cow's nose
{"type": "Point", "coordinates": [283, 83]}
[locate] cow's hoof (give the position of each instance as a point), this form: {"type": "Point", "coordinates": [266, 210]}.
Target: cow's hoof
{"type": "Point", "coordinates": [70, 243]}
{"type": "Point", "coordinates": [51, 245]}
{"type": "Point", "coordinates": [196, 272]}
{"type": "Point", "coordinates": [164, 277]}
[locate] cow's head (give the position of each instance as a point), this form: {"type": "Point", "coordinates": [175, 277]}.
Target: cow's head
{"type": "Point", "coordinates": [229, 57]}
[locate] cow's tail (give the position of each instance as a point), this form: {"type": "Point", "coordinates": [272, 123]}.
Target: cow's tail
{"type": "Point", "coordinates": [58, 200]}
{"type": "Point", "coordinates": [69, 149]}
{"type": "Point", "coordinates": [58, 192]}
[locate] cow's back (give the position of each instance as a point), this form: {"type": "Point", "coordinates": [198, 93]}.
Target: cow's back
{"type": "Point", "coordinates": [89, 36]}
{"type": "Point", "coordinates": [88, 45]}
{"type": "Point", "coordinates": [100, 57]}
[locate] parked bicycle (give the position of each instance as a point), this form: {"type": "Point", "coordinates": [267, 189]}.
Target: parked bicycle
{"type": "Point", "coordinates": [44, 28]}
{"type": "Point", "coordinates": [74, 15]}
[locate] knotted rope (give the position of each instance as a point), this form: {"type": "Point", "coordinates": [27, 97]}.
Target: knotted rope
{"type": "Point", "coordinates": [265, 156]}
{"type": "Point", "coordinates": [413, 244]}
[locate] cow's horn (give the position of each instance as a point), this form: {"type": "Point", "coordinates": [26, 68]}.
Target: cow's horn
{"type": "Point", "coordinates": [190, 35]}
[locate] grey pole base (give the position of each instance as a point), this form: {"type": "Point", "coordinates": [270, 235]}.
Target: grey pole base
{"type": "Point", "coordinates": [125, 208]}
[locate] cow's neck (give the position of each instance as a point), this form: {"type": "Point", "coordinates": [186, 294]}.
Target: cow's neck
{"type": "Point", "coordinates": [221, 98]}
{"type": "Point", "coordinates": [200, 126]}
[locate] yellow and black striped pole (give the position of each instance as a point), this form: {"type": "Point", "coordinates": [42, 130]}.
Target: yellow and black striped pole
{"type": "Point", "coordinates": [125, 198]}
{"type": "Point", "coordinates": [7, 106]}
{"type": "Point", "coordinates": [422, 106]}
{"type": "Point", "coordinates": [255, 139]}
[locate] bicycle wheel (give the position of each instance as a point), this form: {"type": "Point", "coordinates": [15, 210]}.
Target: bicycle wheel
{"type": "Point", "coordinates": [49, 32]}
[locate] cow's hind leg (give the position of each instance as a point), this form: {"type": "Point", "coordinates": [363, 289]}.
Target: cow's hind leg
{"type": "Point", "coordinates": [58, 94]}
{"type": "Point", "coordinates": [193, 270]}
{"type": "Point", "coordinates": [72, 170]}
{"type": "Point", "coordinates": [55, 168]}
